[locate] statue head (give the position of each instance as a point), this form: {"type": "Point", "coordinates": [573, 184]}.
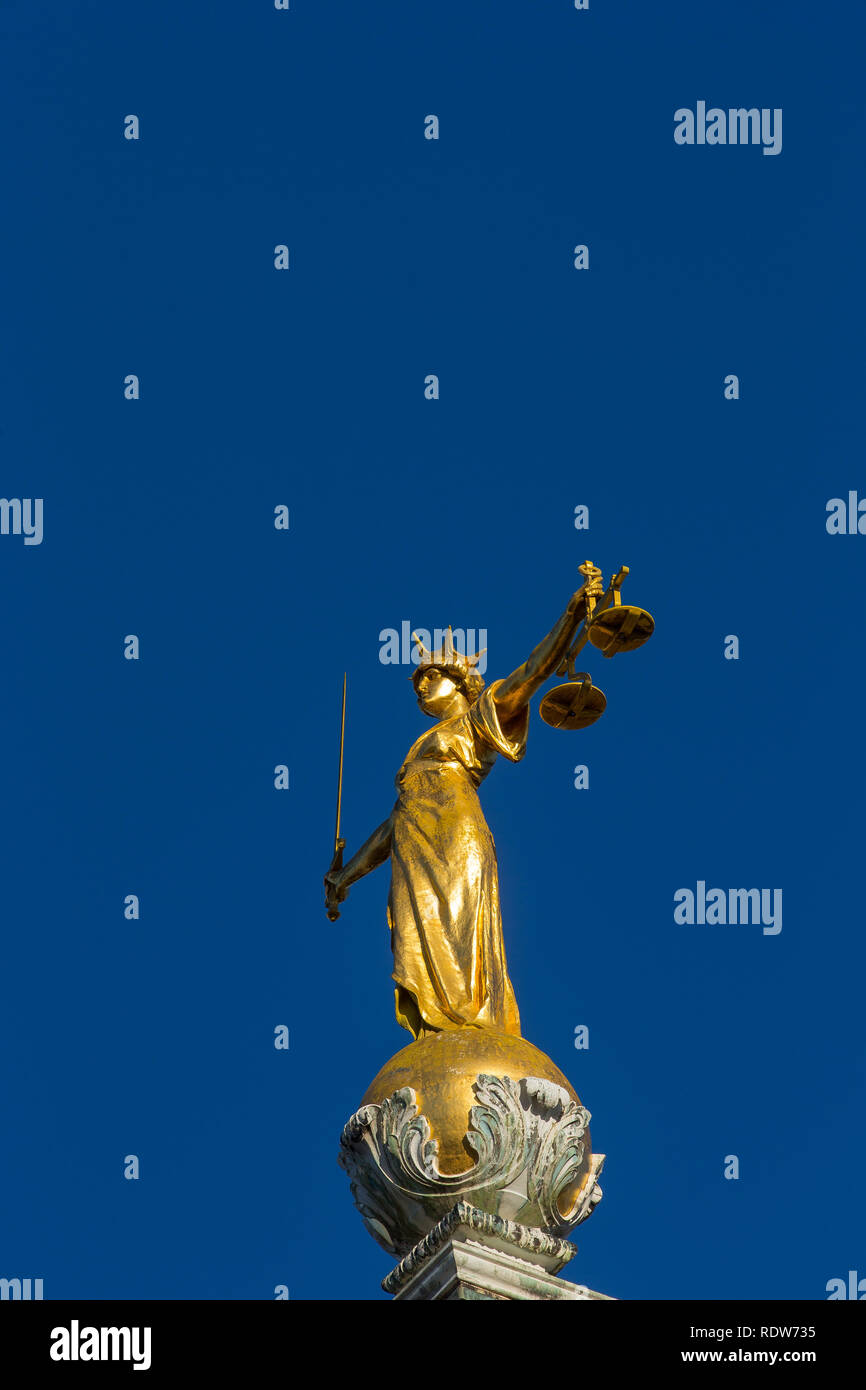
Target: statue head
{"type": "Point", "coordinates": [446, 681]}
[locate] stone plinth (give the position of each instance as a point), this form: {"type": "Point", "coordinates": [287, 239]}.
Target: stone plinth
{"type": "Point", "coordinates": [470, 1255]}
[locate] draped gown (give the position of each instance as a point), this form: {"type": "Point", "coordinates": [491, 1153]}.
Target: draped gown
{"type": "Point", "coordinates": [443, 907]}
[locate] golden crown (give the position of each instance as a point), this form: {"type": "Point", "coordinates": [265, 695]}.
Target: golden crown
{"type": "Point", "coordinates": [448, 658]}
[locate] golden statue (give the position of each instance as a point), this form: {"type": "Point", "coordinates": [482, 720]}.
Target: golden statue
{"type": "Point", "coordinates": [443, 907]}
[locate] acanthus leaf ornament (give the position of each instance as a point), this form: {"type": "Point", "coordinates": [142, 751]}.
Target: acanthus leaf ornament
{"type": "Point", "coordinates": [527, 1137]}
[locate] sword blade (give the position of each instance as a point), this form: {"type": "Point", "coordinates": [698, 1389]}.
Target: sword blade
{"type": "Point", "coordinates": [340, 772]}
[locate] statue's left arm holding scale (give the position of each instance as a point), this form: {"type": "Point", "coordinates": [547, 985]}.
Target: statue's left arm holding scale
{"type": "Point", "coordinates": [514, 693]}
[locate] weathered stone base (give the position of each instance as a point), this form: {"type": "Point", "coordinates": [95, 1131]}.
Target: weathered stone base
{"type": "Point", "coordinates": [472, 1255]}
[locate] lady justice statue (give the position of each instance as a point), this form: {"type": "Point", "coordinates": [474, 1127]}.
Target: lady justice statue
{"type": "Point", "coordinates": [453, 993]}
{"type": "Point", "coordinates": [443, 907]}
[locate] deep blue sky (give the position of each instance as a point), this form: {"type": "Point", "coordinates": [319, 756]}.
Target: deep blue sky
{"type": "Point", "coordinates": [306, 388]}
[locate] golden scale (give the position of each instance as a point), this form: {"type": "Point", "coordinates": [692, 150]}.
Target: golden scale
{"type": "Point", "coordinates": [610, 625]}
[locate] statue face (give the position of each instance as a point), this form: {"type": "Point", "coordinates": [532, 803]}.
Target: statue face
{"type": "Point", "coordinates": [438, 696]}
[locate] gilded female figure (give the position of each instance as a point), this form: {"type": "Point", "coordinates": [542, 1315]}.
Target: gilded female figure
{"type": "Point", "coordinates": [443, 907]}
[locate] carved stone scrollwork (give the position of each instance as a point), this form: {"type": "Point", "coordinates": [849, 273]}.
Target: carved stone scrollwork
{"type": "Point", "coordinates": [530, 1144]}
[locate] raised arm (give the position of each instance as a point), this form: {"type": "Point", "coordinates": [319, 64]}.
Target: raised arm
{"type": "Point", "coordinates": [515, 692]}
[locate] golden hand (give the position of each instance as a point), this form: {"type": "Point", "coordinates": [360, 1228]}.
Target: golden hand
{"type": "Point", "coordinates": [336, 890]}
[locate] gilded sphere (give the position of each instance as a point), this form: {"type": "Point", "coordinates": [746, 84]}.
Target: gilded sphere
{"type": "Point", "coordinates": [441, 1067]}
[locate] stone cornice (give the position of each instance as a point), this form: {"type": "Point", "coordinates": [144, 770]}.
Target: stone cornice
{"type": "Point", "coordinates": [526, 1238]}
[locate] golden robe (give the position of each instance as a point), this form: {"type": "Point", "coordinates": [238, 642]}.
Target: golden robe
{"type": "Point", "coordinates": [443, 907]}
